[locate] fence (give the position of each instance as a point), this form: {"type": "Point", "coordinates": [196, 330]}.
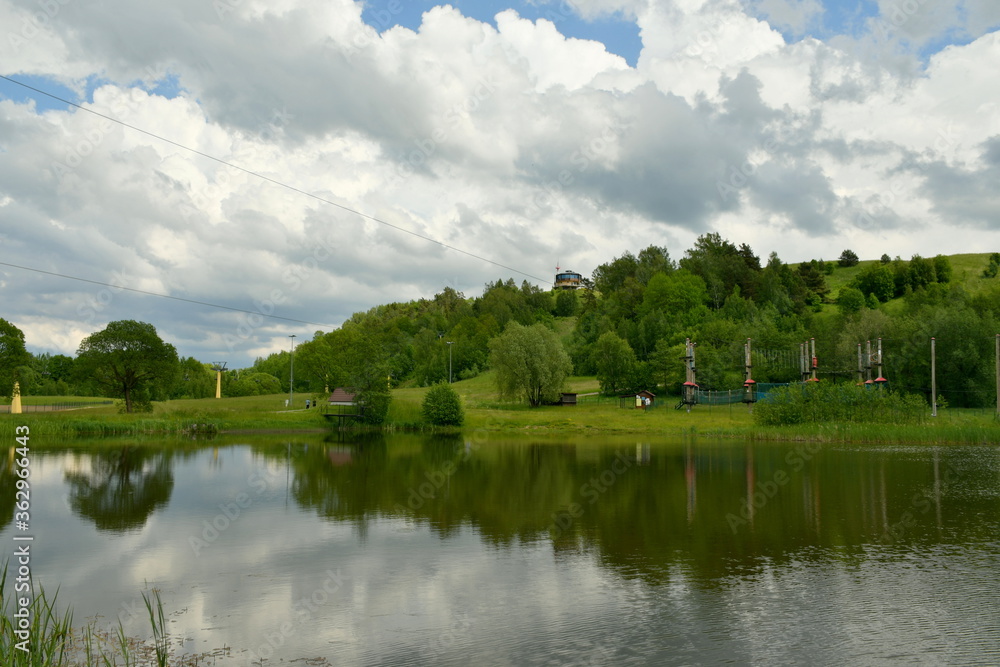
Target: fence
{"type": "Point", "coordinates": [53, 407]}
{"type": "Point", "coordinates": [708, 397]}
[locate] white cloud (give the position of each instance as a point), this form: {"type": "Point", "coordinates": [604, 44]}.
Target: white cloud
{"type": "Point", "coordinates": [513, 143]}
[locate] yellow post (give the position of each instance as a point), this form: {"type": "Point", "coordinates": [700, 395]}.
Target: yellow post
{"type": "Point", "coordinates": [218, 384]}
{"type": "Point", "coordinates": [15, 403]}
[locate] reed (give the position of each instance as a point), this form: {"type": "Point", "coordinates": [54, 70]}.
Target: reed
{"type": "Point", "coordinates": [54, 642]}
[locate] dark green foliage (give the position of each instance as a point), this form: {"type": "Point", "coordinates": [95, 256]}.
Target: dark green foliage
{"type": "Point", "coordinates": [722, 266]}
{"type": "Point", "coordinates": [993, 267]}
{"type": "Point", "coordinates": [442, 406]}
{"type": "Point", "coordinates": [942, 269]}
{"type": "Point", "coordinates": [826, 403]}
{"type": "Point", "coordinates": [195, 380]}
{"type": "Point", "coordinates": [616, 364]}
{"type": "Point", "coordinates": [249, 383]}
{"type": "Point", "coordinates": [566, 303]}
{"type": "Point", "coordinates": [848, 258]}
{"type": "Point", "coordinates": [922, 272]}
{"type": "Point", "coordinates": [876, 279]}
{"type": "Point", "coordinates": [850, 300]}
{"type": "Point", "coordinates": [130, 361]}
{"type": "Point", "coordinates": [885, 259]}
{"type": "Point", "coordinates": [813, 276]}
{"type": "Point", "coordinates": [376, 401]}
{"type": "Point", "coordinates": [12, 355]}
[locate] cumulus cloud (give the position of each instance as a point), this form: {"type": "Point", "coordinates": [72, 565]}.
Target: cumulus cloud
{"type": "Point", "coordinates": [509, 141]}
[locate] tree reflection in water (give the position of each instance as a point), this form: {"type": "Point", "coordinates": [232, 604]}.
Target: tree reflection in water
{"type": "Point", "coordinates": [123, 487]}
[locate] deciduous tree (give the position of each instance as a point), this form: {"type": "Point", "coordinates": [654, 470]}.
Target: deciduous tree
{"type": "Point", "coordinates": [12, 355]}
{"type": "Point", "coordinates": [529, 363]}
{"type": "Point", "coordinates": [615, 362]}
{"type": "Point", "coordinates": [128, 359]}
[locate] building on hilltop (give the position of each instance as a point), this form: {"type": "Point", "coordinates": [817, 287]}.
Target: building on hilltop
{"type": "Point", "coordinates": [567, 279]}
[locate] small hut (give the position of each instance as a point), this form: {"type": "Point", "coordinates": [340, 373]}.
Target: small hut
{"type": "Point", "coordinates": [345, 405]}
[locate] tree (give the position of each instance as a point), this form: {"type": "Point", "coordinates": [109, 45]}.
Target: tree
{"type": "Point", "coordinates": [851, 300]}
{"type": "Point", "coordinates": [615, 362]}
{"type": "Point", "coordinates": [442, 406]}
{"type": "Point", "coordinates": [566, 303]}
{"type": "Point", "coordinates": [530, 363]}
{"type": "Point", "coordinates": [993, 267]}
{"type": "Point", "coordinates": [876, 279]}
{"type": "Point", "coordinates": [942, 269]}
{"type": "Point", "coordinates": [848, 258]}
{"type": "Point", "coordinates": [12, 355]}
{"type": "Point", "coordinates": [128, 359]}
{"type": "Point", "coordinates": [676, 293]}
{"type": "Point", "coordinates": [922, 272]}
{"type": "Point", "coordinates": [254, 384]}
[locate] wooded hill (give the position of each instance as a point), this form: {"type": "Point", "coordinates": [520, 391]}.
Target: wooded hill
{"type": "Point", "coordinates": [628, 324]}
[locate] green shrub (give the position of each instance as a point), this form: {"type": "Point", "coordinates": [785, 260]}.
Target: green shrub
{"type": "Point", "coordinates": [823, 402]}
{"type": "Point", "coordinates": [376, 402]}
{"type": "Point", "coordinates": [442, 406]}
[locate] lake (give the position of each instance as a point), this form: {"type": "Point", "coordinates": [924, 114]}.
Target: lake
{"type": "Point", "coordinates": [491, 550]}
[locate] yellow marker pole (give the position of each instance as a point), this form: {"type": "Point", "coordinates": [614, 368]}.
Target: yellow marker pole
{"type": "Point", "coordinates": [15, 403]}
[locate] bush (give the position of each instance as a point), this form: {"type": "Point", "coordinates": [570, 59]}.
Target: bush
{"type": "Point", "coordinates": [848, 258]}
{"type": "Point", "coordinates": [376, 402]}
{"type": "Point", "coordinates": [442, 406]}
{"type": "Point", "coordinates": [851, 300]}
{"type": "Point", "coordinates": [823, 402]}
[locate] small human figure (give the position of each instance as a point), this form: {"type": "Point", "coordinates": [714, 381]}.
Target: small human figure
{"type": "Point", "coordinates": [307, 404]}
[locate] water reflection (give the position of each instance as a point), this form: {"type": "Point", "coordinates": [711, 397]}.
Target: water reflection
{"type": "Point", "coordinates": [8, 480]}
{"type": "Point", "coordinates": [119, 489]}
{"type": "Point", "coordinates": [715, 507]}
{"type": "Point", "coordinates": [537, 551]}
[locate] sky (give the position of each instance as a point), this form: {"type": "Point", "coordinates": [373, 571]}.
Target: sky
{"type": "Point", "coordinates": [237, 172]}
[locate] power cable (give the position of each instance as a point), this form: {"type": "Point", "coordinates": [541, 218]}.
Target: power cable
{"type": "Point", "coordinates": [272, 180]}
{"type": "Point", "coordinates": [164, 296]}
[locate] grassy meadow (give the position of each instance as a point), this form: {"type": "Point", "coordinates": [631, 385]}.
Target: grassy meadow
{"type": "Point", "coordinates": [593, 415]}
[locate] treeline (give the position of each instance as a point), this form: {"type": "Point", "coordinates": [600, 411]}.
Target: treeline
{"type": "Point", "coordinates": [628, 325]}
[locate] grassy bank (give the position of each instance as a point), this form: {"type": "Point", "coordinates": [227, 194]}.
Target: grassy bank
{"type": "Point", "coordinates": [594, 415]}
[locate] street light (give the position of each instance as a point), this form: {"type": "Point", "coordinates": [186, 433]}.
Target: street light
{"type": "Point", "coordinates": [450, 343]}
{"type": "Point", "coordinates": [291, 375]}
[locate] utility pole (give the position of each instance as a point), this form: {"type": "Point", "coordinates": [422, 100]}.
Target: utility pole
{"type": "Point", "coordinates": [450, 343]}
{"type": "Point", "coordinates": [933, 381]}
{"type": "Point", "coordinates": [861, 368]}
{"type": "Point", "coordinates": [291, 375]}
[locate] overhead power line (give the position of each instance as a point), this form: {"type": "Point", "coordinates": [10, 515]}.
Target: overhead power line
{"type": "Point", "coordinates": [165, 296]}
{"type": "Point", "coordinates": [273, 180]}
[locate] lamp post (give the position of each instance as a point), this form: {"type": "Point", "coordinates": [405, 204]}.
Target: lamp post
{"type": "Point", "coordinates": [450, 343]}
{"type": "Point", "coordinates": [291, 375]}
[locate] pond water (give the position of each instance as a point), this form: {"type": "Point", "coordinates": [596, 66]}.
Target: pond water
{"type": "Point", "coordinates": [418, 550]}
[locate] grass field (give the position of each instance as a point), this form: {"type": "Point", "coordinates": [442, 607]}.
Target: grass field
{"type": "Point", "coordinates": [593, 415]}
{"type": "Point", "coordinates": [967, 271]}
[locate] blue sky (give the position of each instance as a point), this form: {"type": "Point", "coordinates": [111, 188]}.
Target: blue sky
{"type": "Point", "coordinates": [168, 87]}
{"type": "Point", "coordinates": [619, 34]}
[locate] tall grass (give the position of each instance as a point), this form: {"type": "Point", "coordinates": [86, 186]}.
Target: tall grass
{"type": "Point", "coordinates": [54, 642]}
{"type": "Point", "coordinates": [49, 634]}
{"type": "Point", "coordinates": [826, 403]}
